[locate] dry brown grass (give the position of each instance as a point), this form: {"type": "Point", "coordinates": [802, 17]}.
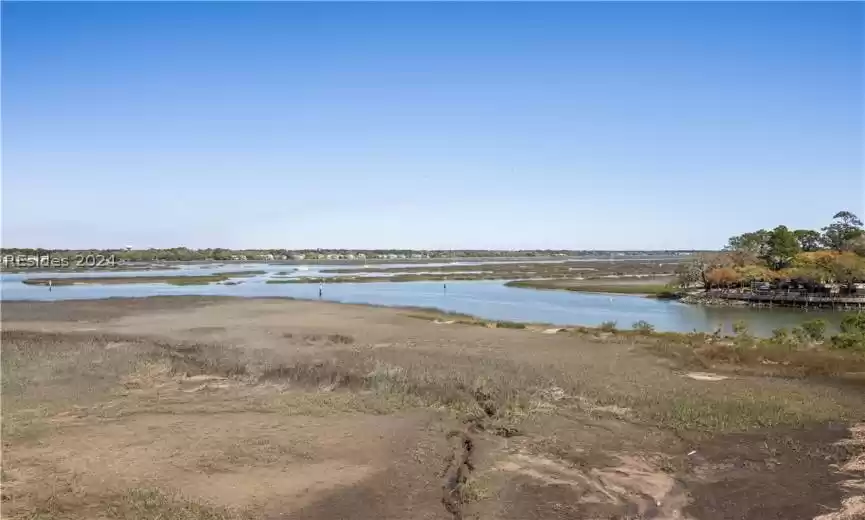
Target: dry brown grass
{"type": "Point", "coordinates": [703, 351]}
{"type": "Point", "coordinates": [183, 417]}
{"type": "Point", "coordinates": [133, 504]}
{"type": "Point", "coordinates": [763, 357]}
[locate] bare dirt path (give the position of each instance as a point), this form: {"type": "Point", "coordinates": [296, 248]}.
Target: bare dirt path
{"type": "Point", "coordinates": [223, 408]}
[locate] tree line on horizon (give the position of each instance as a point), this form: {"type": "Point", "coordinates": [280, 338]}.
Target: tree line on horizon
{"type": "Point", "coordinates": [833, 255]}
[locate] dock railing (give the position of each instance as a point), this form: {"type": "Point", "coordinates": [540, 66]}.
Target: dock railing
{"type": "Point", "coordinates": [788, 296]}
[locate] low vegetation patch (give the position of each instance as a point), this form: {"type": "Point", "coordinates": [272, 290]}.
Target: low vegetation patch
{"type": "Point", "coordinates": [642, 288]}
{"type": "Point", "coordinates": [607, 326]}
{"type": "Point", "coordinates": [643, 327]}
{"type": "Point", "coordinates": [236, 274]}
{"type": "Point", "coordinates": [852, 335]}
{"type": "Point", "coordinates": [510, 325]}
{"type": "Point", "coordinates": [801, 351]}
{"type": "Point", "coordinates": [134, 504]}
{"type": "Point", "coordinates": [720, 413]}
{"type": "Point", "coordinates": [114, 280]}
{"type": "Point", "coordinates": [521, 270]}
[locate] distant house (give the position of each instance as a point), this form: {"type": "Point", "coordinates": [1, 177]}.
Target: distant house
{"type": "Point", "coordinates": [361, 256]}
{"type": "Point", "coordinates": [298, 257]}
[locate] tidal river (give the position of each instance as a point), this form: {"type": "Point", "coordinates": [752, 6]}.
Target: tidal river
{"type": "Point", "coordinates": [485, 299]}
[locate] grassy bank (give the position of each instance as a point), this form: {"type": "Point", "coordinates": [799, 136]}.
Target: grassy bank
{"type": "Point", "coordinates": [642, 288]}
{"type": "Point", "coordinates": [799, 352]}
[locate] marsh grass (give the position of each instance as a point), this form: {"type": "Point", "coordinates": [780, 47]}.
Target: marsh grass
{"type": "Point", "coordinates": [516, 270]}
{"type": "Point", "coordinates": [641, 288]}
{"type": "Point", "coordinates": [386, 279]}
{"type": "Point", "coordinates": [713, 414]}
{"type": "Point", "coordinates": [52, 372]}
{"type": "Point", "coordinates": [235, 274]}
{"type": "Point", "coordinates": [510, 325]}
{"type": "Point", "coordinates": [133, 504]}
{"type": "Point", "coordinates": [509, 395]}
{"type": "Point", "coordinates": [501, 382]}
{"type": "Point", "coordinates": [116, 280]}
{"type": "Point", "coordinates": [783, 355]}
{"type": "Point", "coordinates": [47, 373]}
{"type": "Point", "coordinates": [436, 315]}
{"type": "Point", "coordinates": [467, 385]}
{"type": "Point", "coordinates": [154, 504]}
{"type": "Point", "coordinates": [778, 355]}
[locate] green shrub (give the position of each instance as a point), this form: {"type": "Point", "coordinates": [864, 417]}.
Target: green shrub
{"type": "Point", "coordinates": [814, 330]}
{"type": "Point", "coordinates": [800, 336]}
{"type": "Point", "coordinates": [510, 325]}
{"type": "Point", "coordinates": [853, 324]}
{"type": "Point", "coordinates": [608, 326]}
{"type": "Point", "coordinates": [852, 336]}
{"type": "Point", "coordinates": [668, 293]}
{"type": "Point", "coordinates": [849, 341]}
{"type": "Point", "coordinates": [740, 328]}
{"type": "Point", "coordinates": [780, 336]}
{"type": "Point", "coordinates": [643, 327]}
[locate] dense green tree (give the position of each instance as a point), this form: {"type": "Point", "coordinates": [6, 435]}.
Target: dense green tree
{"type": "Point", "coordinates": [845, 228]}
{"type": "Point", "coordinates": [755, 243]}
{"type": "Point", "coordinates": [782, 247]}
{"type": "Point", "coordinates": [809, 240]}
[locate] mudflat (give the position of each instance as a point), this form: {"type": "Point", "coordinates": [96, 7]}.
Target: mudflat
{"type": "Point", "coordinates": [228, 408]}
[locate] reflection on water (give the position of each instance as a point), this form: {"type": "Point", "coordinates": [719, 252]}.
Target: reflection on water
{"type": "Point", "coordinates": [487, 299]}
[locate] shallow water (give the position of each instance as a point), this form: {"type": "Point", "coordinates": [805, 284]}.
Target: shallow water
{"type": "Point", "coordinates": [486, 299]}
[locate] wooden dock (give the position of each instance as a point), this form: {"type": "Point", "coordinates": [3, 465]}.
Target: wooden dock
{"type": "Point", "coordinates": [793, 298]}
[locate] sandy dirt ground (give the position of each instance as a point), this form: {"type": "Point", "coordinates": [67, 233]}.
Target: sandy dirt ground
{"type": "Point", "coordinates": [223, 408]}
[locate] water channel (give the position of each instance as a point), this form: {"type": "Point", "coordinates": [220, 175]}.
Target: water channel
{"type": "Point", "coordinates": [486, 299]}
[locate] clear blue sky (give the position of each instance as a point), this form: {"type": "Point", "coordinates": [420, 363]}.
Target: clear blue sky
{"type": "Point", "coordinates": [439, 125]}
